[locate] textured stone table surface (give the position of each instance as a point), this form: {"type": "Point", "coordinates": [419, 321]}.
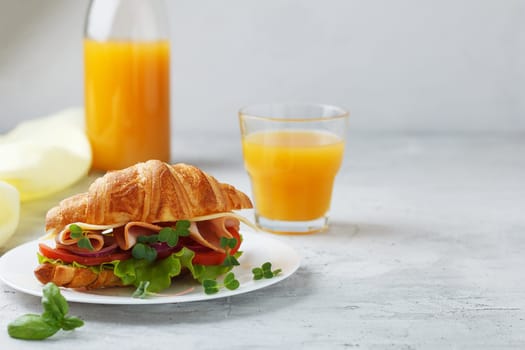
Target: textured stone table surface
{"type": "Point", "coordinates": [426, 250]}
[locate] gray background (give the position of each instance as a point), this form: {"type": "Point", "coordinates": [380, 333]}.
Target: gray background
{"type": "Point", "coordinates": [402, 66]}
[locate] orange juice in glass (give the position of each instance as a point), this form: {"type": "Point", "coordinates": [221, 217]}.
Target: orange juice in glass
{"type": "Point", "coordinates": [292, 154]}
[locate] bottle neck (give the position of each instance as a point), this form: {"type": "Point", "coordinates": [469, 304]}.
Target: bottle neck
{"type": "Point", "coordinates": [126, 20]}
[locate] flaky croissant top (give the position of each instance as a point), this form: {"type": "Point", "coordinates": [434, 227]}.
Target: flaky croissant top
{"type": "Point", "coordinates": [153, 191]}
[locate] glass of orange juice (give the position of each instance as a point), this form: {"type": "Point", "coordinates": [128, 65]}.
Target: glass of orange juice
{"type": "Point", "coordinates": [292, 153]}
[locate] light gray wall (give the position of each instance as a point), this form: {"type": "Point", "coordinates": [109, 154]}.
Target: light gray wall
{"type": "Point", "coordinates": [402, 65]}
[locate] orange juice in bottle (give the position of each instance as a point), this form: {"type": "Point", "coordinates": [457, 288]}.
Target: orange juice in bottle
{"type": "Point", "coordinates": [127, 83]}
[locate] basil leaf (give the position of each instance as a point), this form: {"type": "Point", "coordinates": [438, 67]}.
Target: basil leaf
{"type": "Point", "coordinates": [71, 322]}
{"type": "Point", "coordinates": [31, 327]}
{"type": "Point", "coordinates": [37, 327]}
{"type": "Point", "coordinates": [54, 304]}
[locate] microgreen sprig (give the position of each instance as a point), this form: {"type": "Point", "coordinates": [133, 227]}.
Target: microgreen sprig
{"type": "Point", "coordinates": [142, 290]}
{"type": "Point", "coordinates": [230, 282]}
{"type": "Point", "coordinates": [265, 271]}
{"type": "Point", "coordinates": [169, 235]}
{"type": "Point", "coordinates": [227, 244]}
{"type": "Point", "coordinates": [230, 261]}
{"type": "Point", "coordinates": [148, 239]}
{"type": "Point", "coordinates": [144, 251]}
{"type": "Point", "coordinates": [212, 286]}
{"type": "Point", "coordinates": [81, 237]}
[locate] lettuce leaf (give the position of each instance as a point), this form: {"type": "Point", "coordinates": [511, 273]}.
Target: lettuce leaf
{"type": "Point", "coordinates": [159, 272]}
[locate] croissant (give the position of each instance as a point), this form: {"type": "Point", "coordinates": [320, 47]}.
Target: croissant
{"type": "Point", "coordinates": [152, 191]}
{"type": "Point", "coordinates": [76, 277]}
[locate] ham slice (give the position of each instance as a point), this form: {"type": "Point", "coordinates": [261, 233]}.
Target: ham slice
{"type": "Point", "coordinates": [209, 232]}
{"type": "Point", "coordinates": [93, 233]}
{"type": "Point", "coordinates": [126, 236]}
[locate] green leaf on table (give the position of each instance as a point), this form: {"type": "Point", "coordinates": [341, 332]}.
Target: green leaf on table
{"type": "Point", "coordinates": [54, 304]}
{"type": "Point", "coordinates": [71, 323]}
{"type": "Point", "coordinates": [31, 327]}
{"type": "Point", "coordinates": [53, 318]}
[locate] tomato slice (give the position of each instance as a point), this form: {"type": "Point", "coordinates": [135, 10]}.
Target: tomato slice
{"type": "Point", "coordinates": [211, 257]}
{"type": "Point", "coordinates": [67, 257]}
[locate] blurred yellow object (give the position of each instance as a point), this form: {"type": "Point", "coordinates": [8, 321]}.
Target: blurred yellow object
{"type": "Point", "coordinates": [43, 156]}
{"type": "Point", "coordinates": [9, 211]}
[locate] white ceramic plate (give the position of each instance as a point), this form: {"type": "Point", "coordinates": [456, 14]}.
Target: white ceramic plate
{"type": "Point", "coordinates": [17, 265]}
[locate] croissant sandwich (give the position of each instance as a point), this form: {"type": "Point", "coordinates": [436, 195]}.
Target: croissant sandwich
{"type": "Point", "coordinates": [143, 224]}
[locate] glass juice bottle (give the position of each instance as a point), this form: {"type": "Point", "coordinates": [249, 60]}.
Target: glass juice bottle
{"type": "Point", "coordinates": [127, 82]}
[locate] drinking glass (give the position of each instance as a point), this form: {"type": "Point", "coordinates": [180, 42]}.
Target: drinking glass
{"type": "Point", "coordinates": [292, 153]}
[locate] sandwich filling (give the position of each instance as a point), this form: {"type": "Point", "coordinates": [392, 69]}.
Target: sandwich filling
{"type": "Point", "coordinates": [200, 249]}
